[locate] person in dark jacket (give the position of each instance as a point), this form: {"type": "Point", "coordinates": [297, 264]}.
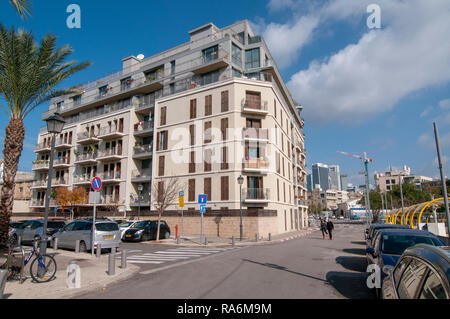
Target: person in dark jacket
{"type": "Point", "coordinates": [323, 227]}
{"type": "Point", "coordinates": [330, 228]}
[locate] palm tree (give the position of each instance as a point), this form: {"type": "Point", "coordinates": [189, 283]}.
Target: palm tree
{"type": "Point", "coordinates": [23, 7]}
{"type": "Point", "coordinates": [29, 73]}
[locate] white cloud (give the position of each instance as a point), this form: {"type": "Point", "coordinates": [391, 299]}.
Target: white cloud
{"type": "Point", "coordinates": [370, 76]}
{"type": "Point", "coordinates": [429, 141]}
{"type": "Point", "coordinates": [277, 5]}
{"type": "Point", "coordinates": [445, 104]}
{"type": "Point", "coordinates": [427, 111]}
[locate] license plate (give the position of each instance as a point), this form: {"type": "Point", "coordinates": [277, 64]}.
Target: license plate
{"type": "Point", "coordinates": [109, 237]}
{"type": "Point", "coordinates": [128, 236]}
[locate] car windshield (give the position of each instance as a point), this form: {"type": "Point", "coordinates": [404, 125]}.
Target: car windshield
{"type": "Point", "coordinates": [397, 244]}
{"type": "Point", "coordinates": [126, 224]}
{"type": "Point", "coordinates": [15, 225]}
{"type": "Point", "coordinates": [141, 224]}
{"type": "Point", "coordinates": [106, 226]}
{"type": "Point", "coordinates": [55, 224]}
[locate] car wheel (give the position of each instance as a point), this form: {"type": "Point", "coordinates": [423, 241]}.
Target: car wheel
{"type": "Point", "coordinates": [83, 247]}
{"type": "Point", "coordinates": [166, 235]}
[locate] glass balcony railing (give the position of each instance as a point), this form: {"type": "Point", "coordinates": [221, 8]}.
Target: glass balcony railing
{"type": "Point", "coordinates": [143, 149]}
{"type": "Point", "coordinates": [86, 136]}
{"type": "Point", "coordinates": [111, 152]}
{"type": "Point", "coordinates": [111, 175]}
{"type": "Point", "coordinates": [256, 133]}
{"type": "Point", "coordinates": [89, 156]}
{"type": "Point", "coordinates": [142, 174]}
{"type": "Point", "coordinates": [84, 178]}
{"type": "Point", "coordinates": [143, 127]}
{"type": "Point", "coordinates": [256, 163]}
{"type": "Point", "coordinates": [254, 106]}
{"type": "Point", "coordinates": [256, 194]}
{"type": "Point", "coordinates": [43, 147]}
{"type": "Point", "coordinates": [41, 164]}
{"type": "Point", "coordinates": [110, 130]}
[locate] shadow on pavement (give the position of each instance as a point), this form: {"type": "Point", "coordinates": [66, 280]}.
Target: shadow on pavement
{"type": "Point", "coordinates": [278, 267]}
{"type": "Point", "coordinates": [350, 285]}
{"type": "Point", "coordinates": [353, 263]}
{"type": "Point", "coordinates": [355, 251]}
{"type": "Point", "coordinates": [358, 242]}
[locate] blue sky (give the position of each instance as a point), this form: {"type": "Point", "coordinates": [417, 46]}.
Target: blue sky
{"type": "Point", "coordinates": [375, 91]}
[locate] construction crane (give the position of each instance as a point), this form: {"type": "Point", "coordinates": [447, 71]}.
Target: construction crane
{"type": "Point", "coordinates": [366, 165]}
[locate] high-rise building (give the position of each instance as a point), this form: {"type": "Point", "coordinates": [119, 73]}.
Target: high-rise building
{"type": "Point", "coordinates": [320, 176]}
{"type": "Point", "coordinates": [344, 182]}
{"type": "Point", "coordinates": [206, 112]}
{"type": "Point", "coordinates": [335, 177]}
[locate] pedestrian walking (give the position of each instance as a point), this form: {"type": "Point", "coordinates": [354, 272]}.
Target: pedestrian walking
{"type": "Point", "coordinates": [323, 227]}
{"type": "Point", "coordinates": [330, 228]}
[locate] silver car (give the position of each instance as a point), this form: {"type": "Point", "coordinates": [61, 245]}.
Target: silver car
{"type": "Point", "coordinates": [33, 229]}
{"type": "Point", "coordinates": [107, 234]}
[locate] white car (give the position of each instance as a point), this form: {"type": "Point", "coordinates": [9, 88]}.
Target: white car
{"type": "Point", "coordinates": [125, 226]}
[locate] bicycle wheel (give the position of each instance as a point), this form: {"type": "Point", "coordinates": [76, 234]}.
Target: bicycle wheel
{"type": "Point", "coordinates": [41, 272]}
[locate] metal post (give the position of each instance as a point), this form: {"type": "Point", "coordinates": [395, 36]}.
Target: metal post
{"type": "Point", "coordinates": [43, 246]}
{"type": "Point", "coordinates": [386, 202]}
{"type": "Point", "coordinates": [99, 250]}
{"type": "Point", "coordinates": [240, 207]}
{"type": "Point", "coordinates": [55, 243]}
{"type": "Point", "coordinates": [3, 276]}
{"type": "Point", "coordinates": [382, 202]}
{"type": "Point", "coordinates": [270, 237]}
{"type": "Point", "coordinates": [444, 184]}
{"type": "Point", "coordinates": [139, 205]}
{"type": "Point", "coordinates": [93, 223]}
{"type": "Point", "coordinates": [182, 222]}
{"type": "Point", "coordinates": [256, 237]}
{"type": "Point", "coordinates": [77, 246]}
{"type": "Point", "coordinates": [232, 241]}
{"type": "Point", "coordinates": [124, 259]}
{"type": "Point", "coordinates": [206, 241]}
{"type": "Point", "coordinates": [366, 164]}
{"type": "Point", "coordinates": [112, 262]}
{"type": "Point", "coordinates": [400, 179]}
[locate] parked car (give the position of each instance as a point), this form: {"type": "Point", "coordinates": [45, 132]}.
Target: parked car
{"type": "Point", "coordinates": [355, 217]}
{"type": "Point", "coordinates": [146, 230]}
{"type": "Point", "coordinates": [124, 226]}
{"type": "Point", "coordinates": [107, 234]}
{"type": "Point", "coordinates": [32, 230]}
{"type": "Point", "coordinates": [389, 245]}
{"type": "Point", "coordinates": [423, 272]}
{"type": "Point", "coordinates": [375, 228]}
{"type": "Point", "coordinates": [13, 226]}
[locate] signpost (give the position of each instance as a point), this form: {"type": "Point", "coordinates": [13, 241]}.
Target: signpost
{"type": "Point", "coordinates": [96, 186]}
{"type": "Point", "coordinates": [181, 204]}
{"type": "Point", "coordinates": [202, 200]}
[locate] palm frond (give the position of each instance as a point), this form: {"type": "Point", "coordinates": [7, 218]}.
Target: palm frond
{"type": "Point", "coordinates": [23, 7]}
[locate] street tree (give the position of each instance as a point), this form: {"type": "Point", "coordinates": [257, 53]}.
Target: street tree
{"type": "Point", "coordinates": [29, 73]}
{"type": "Point", "coordinates": [165, 194]}
{"type": "Point", "coordinates": [66, 198]}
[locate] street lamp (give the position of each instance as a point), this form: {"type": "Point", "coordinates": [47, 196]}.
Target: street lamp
{"type": "Point", "coordinates": [55, 124]}
{"type": "Point", "coordinates": [140, 188]}
{"type": "Point", "coordinates": [240, 181]}
{"type": "Point", "coordinates": [400, 179]}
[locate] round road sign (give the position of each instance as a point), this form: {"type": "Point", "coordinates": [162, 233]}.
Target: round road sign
{"type": "Point", "coordinates": [96, 183]}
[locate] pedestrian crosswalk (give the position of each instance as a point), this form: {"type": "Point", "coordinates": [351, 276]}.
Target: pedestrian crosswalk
{"type": "Point", "coordinates": [170, 255]}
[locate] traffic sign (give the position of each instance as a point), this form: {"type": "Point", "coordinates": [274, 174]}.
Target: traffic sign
{"type": "Point", "coordinates": [181, 194]}
{"type": "Point", "coordinates": [96, 183]}
{"type": "Point", "coordinates": [202, 199]}
{"type": "Point", "coordinates": [181, 201]}
{"type": "Point", "coordinates": [202, 209]}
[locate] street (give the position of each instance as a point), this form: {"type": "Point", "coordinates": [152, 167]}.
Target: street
{"type": "Point", "coordinates": [297, 269]}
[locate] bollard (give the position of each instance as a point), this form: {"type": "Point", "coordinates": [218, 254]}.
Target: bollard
{"type": "Point", "coordinates": [178, 240]}
{"type": "Point", "coordinates": [270, 237]}
{"type": "Point", "coordinates": [124, 259]}
{"type": "Point", "coordinates": [55, 243]}
{"type": "Point", "coordinates": [206, 241]}
{"type": "Point", "coordinates": [112, 262]}
{"type": "Point", "coordinates": [3, 277]}
{"type": "Point", "coordinates": [232, 241]}
{"type": "Point", "coordinates": [99, 250]}
{"type": "Point", "coordinates": [77, 246]}
{"type": "Point", "coordinates": [256, 237]}
{"type": "Point", "coordinates": [73, 279]}
{"type": "Point", "coordinates": [19, 240]}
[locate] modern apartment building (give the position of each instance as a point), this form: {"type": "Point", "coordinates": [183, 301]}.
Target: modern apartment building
{"type": "Point", "coordinates": [205, 112]}
{"type": "Point", "coordinates": [320, 176]}
{"type": "Point", "coordinates": [385, 181]}
{"type": "Point", "coordinates": [335, 177]}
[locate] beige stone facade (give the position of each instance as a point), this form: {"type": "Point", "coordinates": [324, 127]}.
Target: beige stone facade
{"type": "Point", "coordinates": [205, 112]}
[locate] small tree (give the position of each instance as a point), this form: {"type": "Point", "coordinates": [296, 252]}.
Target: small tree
{"type": "Point", "coordinates": [164, 194]}
{"type": "Point", "coordinates": [70, 198]}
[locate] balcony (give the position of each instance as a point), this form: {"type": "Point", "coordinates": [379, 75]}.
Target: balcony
{"type": "Point", "coordinates": [110, 133]}
{"type": "Point", "coordinates": [143, 128]}
{"type": "Point", "coordinates": [61, 162]}
{"type": "Point", "coordinates": [302, 202]}
{"type": "Point", "coordinates": [257, 108]}
{"type": "Point", "coordinates": [110, 200]}
{"type": "Point", "coordinates": [40, 203]}
{"type": "Point", "coordinates": [39, 184]}
{"type": "Point", "coordinates": [143, 200]}
{"type": "Point", "coordinates": [60, 182]}
{"type": "Point", "coordinates": [256, 165]}
{"type": "Point", "coordinates": [61, 144]}
{"type": "Point", "coordinates": [143, 151]}
{"type": "Point", "coordinates": [110, 154]}
{"type": "Point", "coordinates": [141, 175]}
{"type": "Point", "coordinates": [256, 195]}
{"type": "Point", "coordinates": [110, 177]}
{"type": "Point", "coordinates": [42, 148]}
{"type": "Point", "coordinates": [87, 138]}
{"type": "Point", "coordinates": [83, 179]}
{"type": "Point", "coordinates": [40, 165]}
{"type": "Point", "coordinates": [86, 158]}
{"type": "Point", "coordinates": [145, 105]}
{"type": "Point", "coordinates": [205, 63]}
{"type": "Point", "coordinates": [256, 134]}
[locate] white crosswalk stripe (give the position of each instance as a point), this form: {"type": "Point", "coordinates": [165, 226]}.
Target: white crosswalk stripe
{"type": "Point", "coordinates": [170, 255]}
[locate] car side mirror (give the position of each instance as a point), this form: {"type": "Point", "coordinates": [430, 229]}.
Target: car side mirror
{"type": "Point", "coordinates": [370, 250]}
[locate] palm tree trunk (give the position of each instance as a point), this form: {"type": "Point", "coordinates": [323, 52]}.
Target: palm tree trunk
{"type": "Point", "coordinates": [15, 134]}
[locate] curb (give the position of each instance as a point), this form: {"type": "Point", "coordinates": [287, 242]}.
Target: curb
{"type": "Point", "coordinates": [298, 236]}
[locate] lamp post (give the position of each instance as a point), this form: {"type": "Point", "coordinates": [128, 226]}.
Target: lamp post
{"type": "Point", "coordinates": [400, 179]}
{"type": "Point", "coordinates": [240, 181]}
{"type": "Point", "coordinates": [55, 124]}
{"type": "Point", "coordinates": [140, 188]}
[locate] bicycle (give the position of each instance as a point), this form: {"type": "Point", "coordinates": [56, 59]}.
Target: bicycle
{"type": "Point", "coordinates": [42, 268]}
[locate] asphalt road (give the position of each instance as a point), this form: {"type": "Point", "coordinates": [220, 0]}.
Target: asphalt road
{"type": "Point", "coordinates": [305, 268]}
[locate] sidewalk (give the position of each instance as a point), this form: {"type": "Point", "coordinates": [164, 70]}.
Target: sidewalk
{"type": "Point", "coordinates": [93, 276]}
{"type": "Point", "coordinates": [196, 241]}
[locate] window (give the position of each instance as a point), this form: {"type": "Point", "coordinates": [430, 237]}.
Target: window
{"type": "Point", "coordinates": [207, 160]}
{"type": "Point", "coordinates": [126, 83]}
{"type": "Point", "coordinates": [208, 105]}
{"type": "Point", "coordinates": [253, 100]}
{"type": "Point", "coordinates": [207, 188]}
{"type": "Point", "coordinates": [236, 55]}
{"type": "Point", "coordinates": [433, 288]}
{"type": "Point", "coordinates": [192, 134]}
{"type": "Point", "coordinates": [236, 73]}
{"type": "Point", "coordinates": [193, 111]}
{"type": "Point", "coordinates": [224, 193]}
{"type": "Point", "coordinates": [224, 158]}
{"type": "Point", "coordinates": [224, 101]}
{"type": "Point", "coordinates": [409, 283]}
{"type": "Point", "coordinates": [191, 191]}
{"type": "Point", "coordinates": [224, 127]}
{"type": "Point", "coordinates": [192, 163]}
{"type": "Point", "coordinates": [172, 67]}
{"type": "Point", "coordinates": [76, 100]}
{"type": "Point", "coordinates": [207, 133]}
{"type": "Point", "coordinates": [210, 54]}
{"type": "Point", "coordinates": [252, 59]}
{"type": "Point", "coordinates": [162, 141]}
{"type": "Point", "coordinates": [210, 77]}
{"type": "Point", "coordinates": [161, 166]}
{"type": "Point", "coordinates": [163, 115]}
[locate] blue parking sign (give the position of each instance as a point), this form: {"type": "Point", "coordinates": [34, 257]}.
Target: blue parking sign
{"type": "Point", "coordinates": [202, 208]}
{"type": "Point", "coordinates": [202, 199]}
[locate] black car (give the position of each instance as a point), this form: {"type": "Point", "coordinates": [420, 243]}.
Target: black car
{"type": "Point", "coordinates": [422, 272]}
{"type": "Point", "coordinates": [146, 230]}
{"type": "Point", "coordinates": [374, 228]}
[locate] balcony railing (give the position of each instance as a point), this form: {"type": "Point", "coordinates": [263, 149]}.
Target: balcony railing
{"type": "Point", "coordinates": [144, 126]}
{"type": "Point", "coordinates": [41, 164]}
{"type": "Point", "coordinates": [143, 149]}
{"type": "Point", "coordinates": [62, 142]}
{"type": "Point", "coordinates": [258, 106]}
{"type": "Point", "coordinates": [142, 174]}
{"type": "Point", "coordinates": [86, 136]}
{"type": "Point", "coordinates": [41, 203]}
{"type": "Point", "coordinates": [110, 175]}
{"type": "Point", "coordinates": [40, 183]}
{"type": "Point", "coordinates": [256, 194]}
{"type": "Point", "coordinates": [105, 131]}
{"type": "Point", "coordinates": [62, 161]}
{"type": "Point", "coordinates": [43, 147]}
{"type": "Point", "coordinates": [256, 133]}
{"type": "Point", "coordinates": [116, 151]}
{"type": "Point", "coordinates": [302, 202]}
{"type": "Point", "coordinates": [59, 181]}
{"type": "Point", "coordinates": [84, 178]}
{"type": "Point", "coordinates": [92, 156]}
{"type": "Point", "coordinates": [110, 200]}
{"type": "Point", "coordinates": [256, 163]}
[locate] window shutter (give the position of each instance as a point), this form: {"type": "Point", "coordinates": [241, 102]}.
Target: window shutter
{"type": "Point", "coordinates": [224, 180]}
{"type": "Point", "coordinates": [275, 107]}
{"type": "Point", "coordinates": [161, 166]}
{"type": "Point", "coordinates": [160, 192]}
{"type": "Point", "coordinates": [224, 158]}
{"type": "Point", "coordinates": [193, 108]}
{"type": "Point", "coordinates": [192, 133]}
{"type": "Point", "coordinates": [163, 115]}
{"type": "Point", "coordinates": [207, 132]}
{"type": "Point", "coordinates": [224, 101]}
{"type": "Point", "coordinates": [158, 140]}
{"type": "Point", "coordinates": [192, 163]}
{"type": "Point", "coordinates": [191, 190]}
{"type": "Point", "coordinates": [224, 127]}
{"type": "Point", "coordinates": [207, 188]}
{"type": "Point", "coordinates": [166, 139]}
{"type": "Point", "coordinates": [208, 105]}
{"type": "Point", "coordinates": [278, 189]}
